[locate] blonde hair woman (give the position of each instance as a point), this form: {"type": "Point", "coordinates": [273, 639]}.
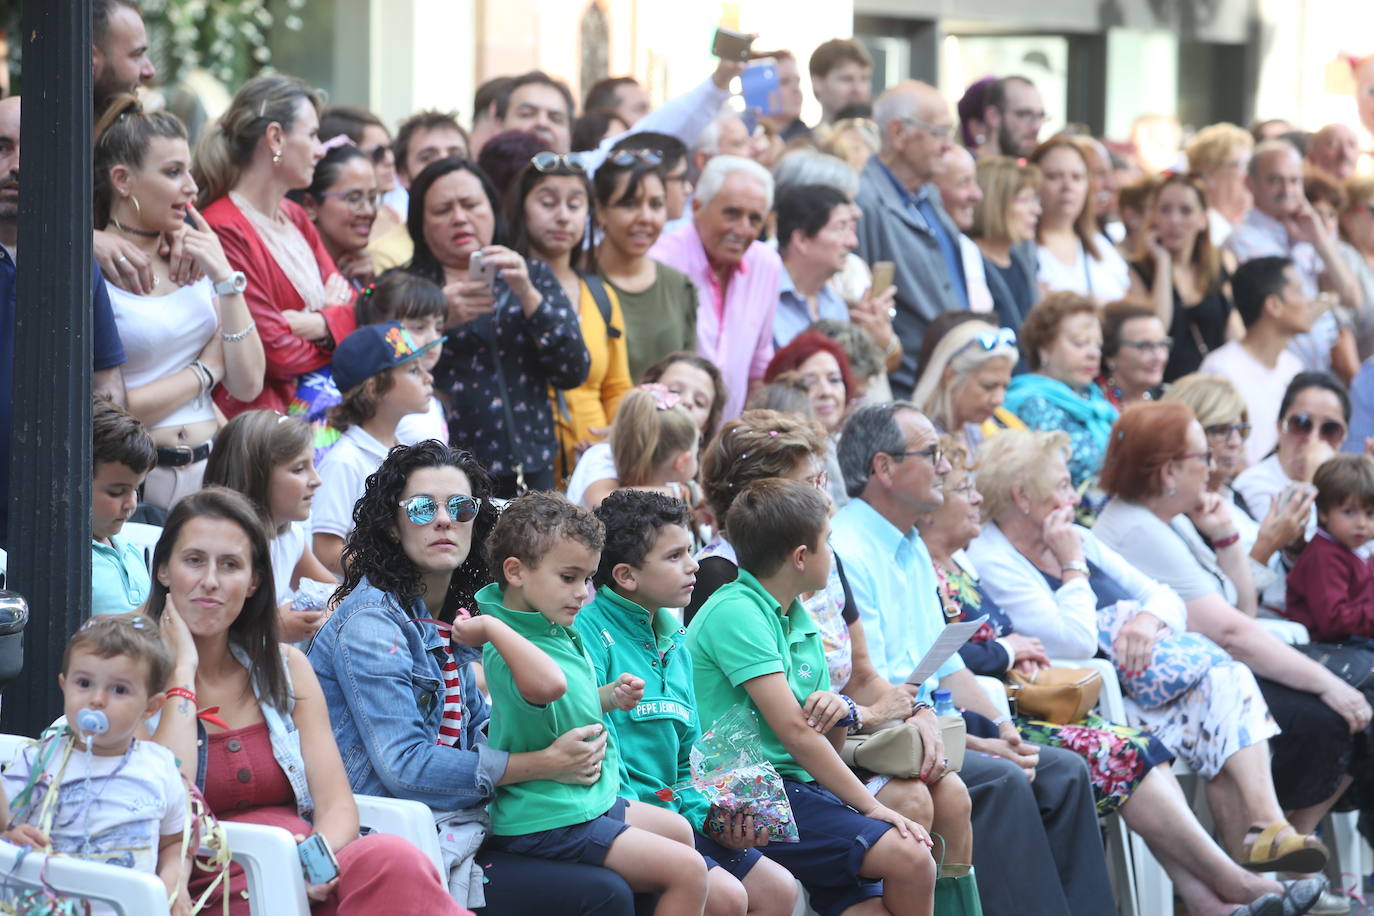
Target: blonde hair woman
{"type": "Point", "coordinates": [963, 383]}
{"type": "Point", "coordinates": [1357, 248]}
{"type": "Point", "coordinates": [1004, 226]}
{"type": "Point", "coordinates": [1219, 156]}
{"type": "Point", "coordinates": [265, 145]}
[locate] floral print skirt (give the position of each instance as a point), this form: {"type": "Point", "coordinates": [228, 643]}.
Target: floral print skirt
{"type": "Point", "coordinates": [1118, 756]}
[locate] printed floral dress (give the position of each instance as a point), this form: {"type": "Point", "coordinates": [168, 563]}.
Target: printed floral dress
{"type": "Point", "coordinates": [1118, 756]}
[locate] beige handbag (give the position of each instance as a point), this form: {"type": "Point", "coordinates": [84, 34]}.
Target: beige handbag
{"type": "Point", "coordinates": [896, 749]}
{"type": "Point", "coordinates": [1058, 695]}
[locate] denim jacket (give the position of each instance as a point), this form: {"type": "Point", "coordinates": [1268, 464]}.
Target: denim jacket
{"type": "Point", "coordinates": [380, 670]}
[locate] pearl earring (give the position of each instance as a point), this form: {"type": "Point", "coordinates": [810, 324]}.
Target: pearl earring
{"type": "Point", "coordinates": [276, 157]}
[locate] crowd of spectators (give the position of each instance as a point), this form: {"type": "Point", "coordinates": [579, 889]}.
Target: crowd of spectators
{"type": "Point", "coordinates": [434, 428]}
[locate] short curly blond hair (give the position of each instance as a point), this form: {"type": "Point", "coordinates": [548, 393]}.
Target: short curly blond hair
{"type": "Point", "coordinates": [1213, 399]}
{"type": "Point", "coordinates": [1208, 149]}
{"type": "Point", "coordinates": [1018, 458]}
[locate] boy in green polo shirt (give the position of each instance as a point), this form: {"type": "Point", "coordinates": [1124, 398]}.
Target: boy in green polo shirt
{"type": "Point", "coordinates": [752, 642]}
{"type": "Point", "coordinates": [122, 454]}
{"type": "Point", "coordinates": [544, 551]}
{"type": "Point", "coordinates": [647, 566]}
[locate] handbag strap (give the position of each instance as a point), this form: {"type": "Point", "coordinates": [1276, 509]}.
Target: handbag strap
{"type": "Point", "coordinates": [488, 332]}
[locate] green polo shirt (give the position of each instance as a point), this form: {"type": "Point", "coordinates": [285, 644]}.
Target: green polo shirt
{"type": "Point", "coordinates": [655, 738]}
{"type": "Point", "coordinates": [518, 726]}
{"type": "Point", "coordinates": [741, 633]}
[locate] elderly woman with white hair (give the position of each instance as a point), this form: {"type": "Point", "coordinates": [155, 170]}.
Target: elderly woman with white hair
{"type": "Point", "coordinates": [736, 276]}
{"type": "Point", "coordinates": [966, 367]}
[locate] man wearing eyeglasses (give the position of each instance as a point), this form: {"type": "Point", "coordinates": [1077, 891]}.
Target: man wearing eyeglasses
{"type": "Point", "coordinates": [1269, 297]}
{"type": "Point", "coordinates": [1013, 113]}
{"type": "Point", "coordinates": [903, 218]}
{"type": "Point", "coordinates": [1036, 846]}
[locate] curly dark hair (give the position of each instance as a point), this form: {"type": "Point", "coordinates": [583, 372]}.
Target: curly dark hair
{"type": "Point", "coordinates": [530, 524]}
{"type": "Point", "coordinates": [633, 519]}
{"type": "Point", "coordinates": [372, 549]}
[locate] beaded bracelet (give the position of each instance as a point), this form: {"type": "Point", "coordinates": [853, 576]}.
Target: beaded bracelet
{"type": "Point", "coordinates": [240, 335]}
{"type": "Point", "coordinates": [854, 723]}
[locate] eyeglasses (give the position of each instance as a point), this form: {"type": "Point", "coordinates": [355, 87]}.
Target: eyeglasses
{"type": "Point", "coordinates": [936, 131]}
{"type": "Point", "coordinates": [422, 509]}
{"type": "Point", "coordinates": [1145, 346]}
{"type": "Point", "coordinates": [357, 201]}
{"type": "Point", "coordinates": [626, 158]}
{"type": "Point", "coordinates": [933, 452]}
{"type": "Point", "coordinates": [1205, 456]}
{"type": "Point", "coordinates": [1028, 114]}
{"type": "Point", "coordinates": [964, 489]}
{"type": "Point", "coordinates": [1332, 432]}
{"type": "Point", "coordinates": [1224, 431]}
{"type": "Point", "coordinates": [546, 161]}
{"type": "Point", "coordinates": [378, 153]}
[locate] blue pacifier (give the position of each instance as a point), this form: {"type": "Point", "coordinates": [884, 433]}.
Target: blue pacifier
{"type": "Point", "coordinates": [92, 722]}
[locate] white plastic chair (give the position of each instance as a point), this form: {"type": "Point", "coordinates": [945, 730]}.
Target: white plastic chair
{"type": "Point", "coordinates": [404, 818]}
{"type": "Point", "coordinates": [268, 857]}
{"type": "Point", "coordinates": [130, 892]}
{"type": "Point", "coordinates": [142, 536]}
{"type": "Point", "coordinates": [1290, 631]}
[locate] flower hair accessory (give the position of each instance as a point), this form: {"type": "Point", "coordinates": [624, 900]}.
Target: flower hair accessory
{"type": "Point", "coordinates": [663, 398]}
{"type": "Point", "coordinates": [337, 141]}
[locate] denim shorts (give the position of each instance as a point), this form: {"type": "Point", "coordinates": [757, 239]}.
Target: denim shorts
{"type": "Point", "coordinates": [834, 840]}
{"type": "Point", "coordinates": [736, 862]}
{"type": "Point", "coordinates": [586, 843]}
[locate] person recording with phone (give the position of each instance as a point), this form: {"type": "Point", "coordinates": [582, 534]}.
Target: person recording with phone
{"type": "Point", "coordinates": [512, 334]}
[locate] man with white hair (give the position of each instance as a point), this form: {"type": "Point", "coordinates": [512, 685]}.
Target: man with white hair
{"type": "Point", "coordinates": [903, 220]}
{"type": "Point", "coordinates": [1335, 150]}
{"type": "Point", "coordinates": [957, 180]}
{"type": "Point", "coordinates": [1282, 223]}
{"type": "Point", "coordinates": [736, 275]}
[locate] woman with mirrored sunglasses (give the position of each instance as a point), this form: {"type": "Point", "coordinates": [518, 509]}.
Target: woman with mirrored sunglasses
{"type": "Point", "coordinates": [395, 664]}
{"type": "Point", "coordinates": [1314, 418]}
{"type": "Point", "coordinates": [1221, 410]}
{"type": "Point", "coordinates": [965, 370]}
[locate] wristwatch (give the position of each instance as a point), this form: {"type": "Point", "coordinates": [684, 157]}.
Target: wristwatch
{"type": "Point", "coordinates": [1075, 566]}
{"type": "Point", "coordinates": [231, 285]}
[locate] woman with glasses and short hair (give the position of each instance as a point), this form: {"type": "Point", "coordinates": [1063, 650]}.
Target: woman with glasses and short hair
{"type": "Point", "coordinates": [1272, 543]}
{"type": "Point", "coordinates": [549, 209]}
{"type": "Point", "coordinates": [342, 201]}
{"type": "Point", "coordinates": [1134, 352]}
{"type": "Point", "coordinates": [1184, 276]}
{"type": "Point", "coordinates": [966, 366]}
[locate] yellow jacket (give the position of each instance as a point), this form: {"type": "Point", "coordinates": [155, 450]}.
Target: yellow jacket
{"type": "Point", "coordinates": [594, 402]}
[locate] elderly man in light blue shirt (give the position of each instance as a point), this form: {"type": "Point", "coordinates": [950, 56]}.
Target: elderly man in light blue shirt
{"type": "Point", "coordinates": [1039, 839]}
{"type": "Point", "coordinates": [815, 236]}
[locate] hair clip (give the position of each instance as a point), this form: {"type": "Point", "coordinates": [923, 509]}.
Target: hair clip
{"type": "Point", "coordinates": [1021, 161]}
{"type": "Point", "coordinates": [663, 398]}
{"type": "Point", "coordinates": [337, 141]}
{"type": "Point", "coordinates": [262, 108]}
{"type": "Point", "coordinates": [772, 432]}
{"type": "Point", "coordinates": [370, 288]}
{"type": "Point", "coordinates": [745, 455]}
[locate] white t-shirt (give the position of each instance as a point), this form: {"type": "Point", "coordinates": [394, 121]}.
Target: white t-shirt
{"type": "Point", "coordinates": [596, 463]}
{"type": "Point", "coordinates": [287, 549]}
{"type": "Point", "coordinates": [1261, 387]}
{"type": "Point", "coordinates": [161, 335]}
{"type": "Point", "coordinates": [1261, 485]}
{"type": "Point", "coordinates": [344, 471]}
{"type": "Point", "coordinates": [112, 809]}
{"type": "Point", "coordinates": [1105, 278]}
{"type": "Point", "coordinates": [417, 427]}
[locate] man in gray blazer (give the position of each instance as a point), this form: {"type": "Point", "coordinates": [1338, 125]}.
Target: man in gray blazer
{"type": "Point", "coordinates": [903, 220]}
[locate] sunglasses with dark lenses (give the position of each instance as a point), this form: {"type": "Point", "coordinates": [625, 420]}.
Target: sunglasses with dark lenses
{"type": "Point", "coordinates": [379, 153]}
{"type": "Point", "coordinates": [422, 509]}
{"type": "Point", "coordinates": [1224, 431]}
{"type": "Point", "coordinates": [1332, 432]}
{"type": "Point", "coordinates": [546, 161]}
{"type": "Point", "coordinates": [626, 158]}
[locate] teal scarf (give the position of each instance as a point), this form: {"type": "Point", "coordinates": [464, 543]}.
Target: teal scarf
{"type": "Point", "coordinates": [1089, 407]}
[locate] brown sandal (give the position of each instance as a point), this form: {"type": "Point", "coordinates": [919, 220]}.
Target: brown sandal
{"type": "Point", "coordinates": [1293, 853]}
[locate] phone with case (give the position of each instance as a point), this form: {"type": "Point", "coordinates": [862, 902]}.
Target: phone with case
{"type": "Point", "coordinates": [317, 860]}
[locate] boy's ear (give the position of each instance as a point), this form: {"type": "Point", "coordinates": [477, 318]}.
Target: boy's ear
{"type": "Point", "coordinates": [624, 578]}
{"type": "Point", "coordinates": [155, 704]}
{"type": "Point", "coordinates": [798, 557]}
{"type": "Point", "coordinates": [61, 682]}
{"type": "Point", "coordinates": [514, 571]}
{"type": "Point", "coordinates": [680, 466]}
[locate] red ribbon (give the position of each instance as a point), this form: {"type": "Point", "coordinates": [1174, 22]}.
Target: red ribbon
{"type": "Point", "coordinates": [210, 714]}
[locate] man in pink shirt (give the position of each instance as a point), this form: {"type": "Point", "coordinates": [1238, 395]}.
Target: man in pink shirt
{"type": "Point", "coordinates": [736, 275]}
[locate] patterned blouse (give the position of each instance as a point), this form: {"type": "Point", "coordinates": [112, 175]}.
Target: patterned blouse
{"type": "Point", "coordinates": [530, 355]}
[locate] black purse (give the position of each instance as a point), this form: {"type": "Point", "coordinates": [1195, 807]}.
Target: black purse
{"type": "Point", "coordinates": [1352, 662]}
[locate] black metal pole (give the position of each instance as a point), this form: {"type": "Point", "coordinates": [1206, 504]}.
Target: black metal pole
{"type": "Point", "coordinates": [50, 448]}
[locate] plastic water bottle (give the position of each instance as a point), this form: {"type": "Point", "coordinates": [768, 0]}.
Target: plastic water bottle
{"type": "Point", "coordinates": [944, 703]}
{"type": "Point", "coordinates": [92, 722]}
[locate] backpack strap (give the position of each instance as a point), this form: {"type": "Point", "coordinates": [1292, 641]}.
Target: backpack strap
{"type": "Point", "coordinates": [602, 297]}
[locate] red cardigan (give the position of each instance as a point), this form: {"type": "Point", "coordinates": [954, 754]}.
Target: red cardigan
{"type": "Point", "coordinates": [1330, 590]}
{"type": "Point", "coordinates": [269, 294]}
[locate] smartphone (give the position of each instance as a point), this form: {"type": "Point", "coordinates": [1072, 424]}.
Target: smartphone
{"type": "Point", "coordinates": [729, 45]}
{"type": "Point", "coordinates": [317, 860]}
{"type": "Point", "coordinates": [480, 269]}
{"type": "Point", "coordinates": [760, 82]}
{"type": "Point", "coordinates": [883, 272]}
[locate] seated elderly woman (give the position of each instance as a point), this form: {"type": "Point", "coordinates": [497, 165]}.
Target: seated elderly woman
{"type": "Point", "coordinates": [1129, 768]}
{"type": "Point", "coordinates": [1221, 410]}
{"type": "Point", "coordinates": [1156, 472]}
{"type": "Point", "coordinates": [1062, 341]}
{"type": "Point", "coordinates": [1314, 417]}
{"type": "Point", "coordinates": [1062, 584]}
{"type": "Point", "coordinates": [964, 379]}
{"type": "Point", "coordinates": [1135, 350]}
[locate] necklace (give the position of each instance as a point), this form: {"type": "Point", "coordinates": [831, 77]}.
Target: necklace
{"type": "Point", "coordinates": [141, 233]}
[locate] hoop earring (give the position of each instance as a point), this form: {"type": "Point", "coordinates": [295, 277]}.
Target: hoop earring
{"type": "Point", "coordinates": [138, 210]}
{"type": "Point", "coordinates": [276, 157]}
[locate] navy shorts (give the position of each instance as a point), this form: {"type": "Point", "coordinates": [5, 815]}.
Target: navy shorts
{"type": "Point", "coordinates": [737, 862]}
{"type": "Point", "coordinates": [586, 843]}
{"type": "Point", "coordinates": [834, 840]}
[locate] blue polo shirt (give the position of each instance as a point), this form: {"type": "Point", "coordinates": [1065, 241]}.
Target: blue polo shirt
{"type": "Point", "coordinates": [107, 349]}
{"type": "Point", "coordinates": [119, 577]}
{"type": "Point", "coordinates": [794, 311]}
{"type": "Point", "coordinates": [921, 203]}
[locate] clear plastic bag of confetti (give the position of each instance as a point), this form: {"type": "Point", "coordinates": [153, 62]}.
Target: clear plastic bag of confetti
{"type": "Point", "coordinates": [730, 771]}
